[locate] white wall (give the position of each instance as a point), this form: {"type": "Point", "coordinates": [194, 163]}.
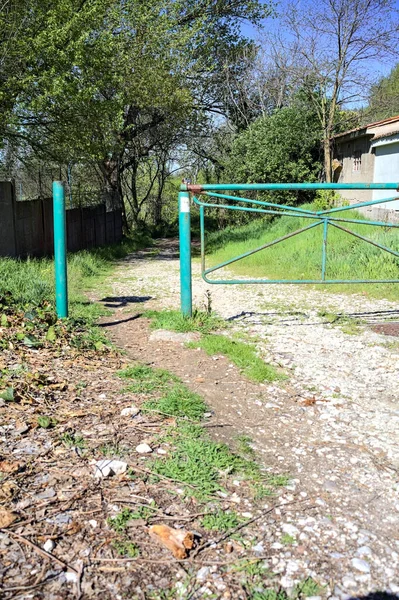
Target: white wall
{"type": "Point", "coordinates": [386, 170]}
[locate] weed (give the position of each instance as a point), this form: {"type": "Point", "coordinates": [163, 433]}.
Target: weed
{"type": "Point", "coordinates": [173, 320]}
{"type": "Point", "coordinates": [287, 539]}
{"type": "Point", "coordinates": [46, 422]}
{"type": "Point", "coordinates": [269, 485]}
{"type": "Point", "coordinates": [178, 402]}
{"type": "Point", "coordinates": [125, 548]}
{"type": "Point", "coordinates": [242, 354]}
{"type": "Point", "coordinates": [119, 523]}
{"type": "Point", "coordinates": [244, 445]}
{"type": "Point", "coordinates": [221, 520]}
{"type": "Point", "coordinates": [146, 379]}
{"type": "Point", "coordinates": [307, 588]}
{"type": "Point", "coordinates": [112, 450]}
{"type": "Point", "coordinates": [144, 512]}
{"type": "Point", "coordinates": [73, 440]}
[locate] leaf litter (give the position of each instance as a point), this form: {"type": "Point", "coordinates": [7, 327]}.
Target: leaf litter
{"type": "Point", "coordinates": [62, 410]}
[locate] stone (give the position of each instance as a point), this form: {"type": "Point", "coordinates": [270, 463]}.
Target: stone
{"type": "Point", "coordinates": [130, 411]}
{"type": "Point", "coordinates": [143, 449]}
{"type": "Point", "coordinates": [49, 545]}
{"type": "Point", "coordinates": [364, 551]}
{"type": "Point", "coordinates": [203, 573]}
{"type": "Point", "coordinates": [108, 468]}
{"type": "Point", "coordinates": [360, 565]}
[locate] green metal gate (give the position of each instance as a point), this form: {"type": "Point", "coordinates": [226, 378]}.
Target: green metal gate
{"type": "Point", "coordinates": [322, 218]}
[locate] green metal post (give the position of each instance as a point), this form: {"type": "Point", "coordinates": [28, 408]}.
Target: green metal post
{"type": "Point", "coordinates": [185, 255]}
{"type": "Point", "coordinates": [60, 250]}
{"type": "Point", "coordinates": [324, 255]}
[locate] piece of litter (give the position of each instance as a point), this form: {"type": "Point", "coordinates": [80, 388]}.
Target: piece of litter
{"type": "Point", "coordinates": [178, 541]}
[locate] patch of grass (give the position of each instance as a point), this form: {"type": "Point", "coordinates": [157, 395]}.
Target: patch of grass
{"type": "Point", "coordinates": [244, 445]}
{"type": "Point", "coordinates": [125, 548]}
{"type": "Point", "coordinates": [221, 520]}
{"type": "Point", "coordinates": [269, 485]}
{"type": "Point", "coordinates": [241, 354]}
{"type": "Point", "coordinates": [179, 401]}
{"type": "Point", "coordinates": [173, 320]}
{"type": "Point", "coordinates": [348, 325]}
{"type": "Point", "coordinates": [73, 440]}
{"type": "Point", "coordinates": [300, 257]}
{"type": "Point", "coordinates": [200, 462]}
{"type": "Point", "coordinates": [307, 588]}
{"type": "Point", "coordinates": [147, 380]}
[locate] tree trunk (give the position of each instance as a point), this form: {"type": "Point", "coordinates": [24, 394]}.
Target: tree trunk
{"type": "Point", "coordinates": [327, 160]}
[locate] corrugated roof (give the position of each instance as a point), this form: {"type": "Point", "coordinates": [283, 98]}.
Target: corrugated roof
{"type": "Point", "coordinates": [365, 127]}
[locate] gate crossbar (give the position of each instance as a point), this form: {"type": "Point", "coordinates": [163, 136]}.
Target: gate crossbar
{"type": "Point", "coordinates": [325, 218]}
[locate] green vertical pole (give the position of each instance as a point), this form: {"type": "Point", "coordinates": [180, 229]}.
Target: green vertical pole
{"type": "Point", "coordinates": [324, 255]}
{"type": "Point", "coordinates": [185, 255]}
{"type": "Point", "coordinates": [60, 250]}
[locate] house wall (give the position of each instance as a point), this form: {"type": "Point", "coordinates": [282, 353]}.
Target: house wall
{"type": "Point", "coordinates": [357, 167]}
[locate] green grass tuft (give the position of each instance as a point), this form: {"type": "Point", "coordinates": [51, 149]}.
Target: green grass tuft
{"type": "Point", "coordinates": [173, 320]}
{"type": "Point", "coordinates": [179, 401]}
{"type": "Point", "coordinates": [241, 354]}
{"type": "Point", "coordinates": [200, 462]}
{"type": "Point", "coordinates": [147, 379]}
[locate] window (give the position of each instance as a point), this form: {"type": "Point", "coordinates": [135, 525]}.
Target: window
{"type": "Point", "coordinates": [357, 161]}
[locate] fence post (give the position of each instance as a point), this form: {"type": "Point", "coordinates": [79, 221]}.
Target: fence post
{"type": "Point", "coordinates": [60, 250]}
{"type": "Point", "coordinates": [185, 255]}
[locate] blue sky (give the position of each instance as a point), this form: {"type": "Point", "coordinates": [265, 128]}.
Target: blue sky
{"type": "Point", "coordinates": [270, 24]}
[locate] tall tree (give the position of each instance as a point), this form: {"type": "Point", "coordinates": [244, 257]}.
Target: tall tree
{"type": "Point", "coordinates": [384, 97]}
{"type": "Point", "coordinates": [336, 45]}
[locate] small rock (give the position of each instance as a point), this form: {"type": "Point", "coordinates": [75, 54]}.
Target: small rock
{"type": "Point", "coordinates": [203, 573]}
{"type": "Point", "coordinates": [360, 565]}
{"type": "Point", "coordinates": [49, 545]}
{"type": "Point", "coordinates": [348, 582]}
{"type": "Point", "coordinates": [108, 468]}
{"type": "Point", "coordinates": [161, 451]}
{"type": "Point", "coordinates": [130, 411]}
{"type": "Point", "coordinates": [71, 577]}
{"type": "Point", "coordinates": [259, 548]}
{"type": "Point", "coordinates": [207, 415]}
{"type": "Point", "coordinates": [93, 523]}
{"type": "Point", "coordinates": [143, 449]}
{"type": "Point", "coordinates": [364, 551]}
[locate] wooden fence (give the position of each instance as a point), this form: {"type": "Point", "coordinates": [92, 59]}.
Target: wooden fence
{"type": "Point", "coordinates": [26, 228]}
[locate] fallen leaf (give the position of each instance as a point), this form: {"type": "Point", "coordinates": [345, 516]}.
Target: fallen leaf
{"type": "Point", "coordinates": [178, 541]}
{"type": "Point", "coordinates": [8, 489]}
{"type": "Point", "coordinates": [7, 517]}
{"type": "Point", "coordinates": [9, 467]}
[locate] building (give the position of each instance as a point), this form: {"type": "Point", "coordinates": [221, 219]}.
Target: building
{"type": "Point", "coordinates": [369, 154]}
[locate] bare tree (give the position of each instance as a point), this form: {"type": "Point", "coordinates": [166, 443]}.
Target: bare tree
{"type": "Point", "coordinates": [336, 47]}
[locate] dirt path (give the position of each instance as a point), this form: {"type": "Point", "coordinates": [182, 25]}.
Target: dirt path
{"type": "Point", "coordinates": [333, 425]}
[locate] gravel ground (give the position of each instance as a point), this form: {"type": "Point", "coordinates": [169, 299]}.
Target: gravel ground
{"type": "Point", "coordinates": [333, 425]}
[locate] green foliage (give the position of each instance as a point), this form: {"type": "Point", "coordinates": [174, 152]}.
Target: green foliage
{"type": "Point", "coordinates": [283, 147]}
{"type": "Point", "coordinates": [124, 547]}
{"type": "Point", "coordinates": [221, 520]}
{"type": "Point", "coordinates": [325, 199]}
{"type": "Point", "coordinates": [46, 422]}
{"type": "Point", "coordinates": [73, 440]}
{"type": "Point", "coordinates": [120, 522]}
{"type": "Point", "coordinates": [173, 320]}
{"type": "Point", "coordinates": [242, 354]}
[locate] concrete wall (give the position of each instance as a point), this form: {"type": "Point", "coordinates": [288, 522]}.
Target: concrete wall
{"type": "Point", "coordinates": [26, 228]}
